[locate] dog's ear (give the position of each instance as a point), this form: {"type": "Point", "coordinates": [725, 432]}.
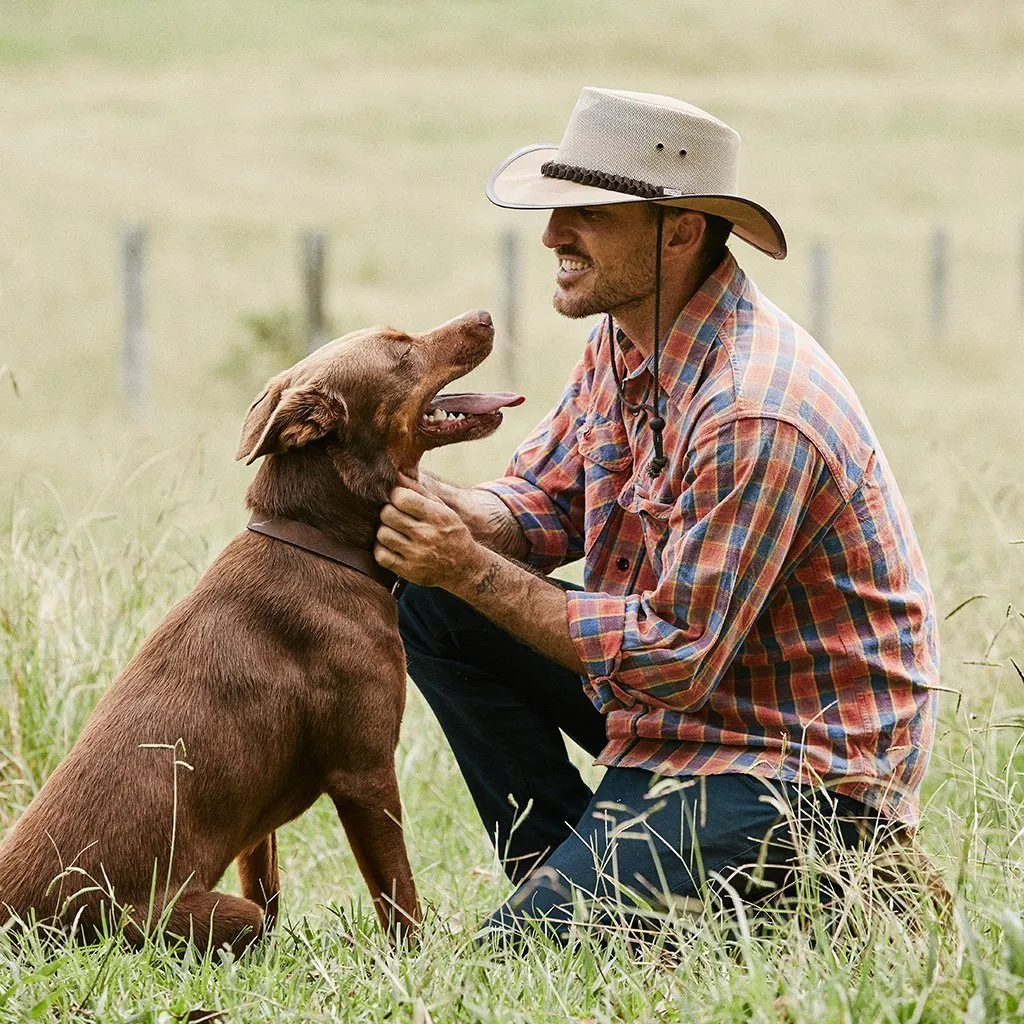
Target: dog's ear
{"type": "Point", "coordinates": [284, 417]}
{"type": "Point", "coordinates": [257, 417]}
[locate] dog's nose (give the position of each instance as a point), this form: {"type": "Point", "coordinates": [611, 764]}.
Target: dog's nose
{"type": "Point", "coordinates": [475, 322]}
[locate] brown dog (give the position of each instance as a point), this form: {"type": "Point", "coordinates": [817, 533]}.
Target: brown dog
{"type": "Point", "coordinates": [281, 676]}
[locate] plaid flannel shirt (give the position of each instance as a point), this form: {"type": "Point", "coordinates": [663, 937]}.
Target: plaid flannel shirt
{"type": "Point", "coordinates": [762, 606]}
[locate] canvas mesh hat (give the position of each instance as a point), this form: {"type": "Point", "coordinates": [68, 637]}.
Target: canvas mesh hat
{"type": "Point", "coordinates": [622, 147]}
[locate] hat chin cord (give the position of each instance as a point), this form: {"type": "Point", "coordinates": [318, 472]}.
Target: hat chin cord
{"type": "Point", "coordinates": [656, 423]}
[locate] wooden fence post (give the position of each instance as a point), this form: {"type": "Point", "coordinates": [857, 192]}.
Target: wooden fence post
{"type": "Point", "coordinates": [314, 246]}
{"type": "Point", "coordinates": [510, 301]}
{"type": "Point", "coordinates": [939, 306]}
{"type": "Point", "coordinates": [820, 293]}
{"type": "Point", "coordinates": [134, 361]}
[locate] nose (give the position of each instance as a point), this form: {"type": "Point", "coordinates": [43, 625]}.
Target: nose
{"type": "Point", "coordinates": [474, 320]}
{"type": "Point", "coordinates": [557, 230]}
{"type": "Point", "coordinates": [477, 318]}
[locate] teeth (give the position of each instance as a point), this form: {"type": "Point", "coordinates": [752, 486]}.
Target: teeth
{"type": "Point", "coordinates": [440, 416]}
{"type": "Point", "coordinates": [568, 264]}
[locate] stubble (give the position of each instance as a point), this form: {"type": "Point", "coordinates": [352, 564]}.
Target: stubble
{"type": "Point", "coordinates": [608, 289]}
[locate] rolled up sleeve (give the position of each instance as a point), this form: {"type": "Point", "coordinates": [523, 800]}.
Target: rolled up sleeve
{"type": "Point", "coordinates": [544, 483]}
{"type": "Point", "coordinates": [731, 534]}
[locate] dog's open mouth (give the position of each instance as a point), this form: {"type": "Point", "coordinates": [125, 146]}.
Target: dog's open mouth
{"type": "Point", "coordinates": [457, 417]}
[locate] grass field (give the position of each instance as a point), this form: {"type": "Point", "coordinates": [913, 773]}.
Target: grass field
{"type": "Point", "coordinates": [228, 128]}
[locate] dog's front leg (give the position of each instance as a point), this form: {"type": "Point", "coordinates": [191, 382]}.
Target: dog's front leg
{"type": "Point", "coordinates": [371, 812]}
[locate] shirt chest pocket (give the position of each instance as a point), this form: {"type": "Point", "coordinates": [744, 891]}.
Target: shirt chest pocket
{"type": "Point", "coordinates": [608, 465]}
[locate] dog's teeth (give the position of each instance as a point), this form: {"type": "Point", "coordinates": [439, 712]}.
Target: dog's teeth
{"type": "Point", "coordinates": [442, 416]}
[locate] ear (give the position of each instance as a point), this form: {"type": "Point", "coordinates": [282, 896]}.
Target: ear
{"type": "Point", "coordinates": [283, 418]}
{"type": "Point", "coordinates": [684, 232]}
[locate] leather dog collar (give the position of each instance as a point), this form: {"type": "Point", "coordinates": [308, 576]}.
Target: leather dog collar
{"type": "Point", "coordinates": [309, 538]}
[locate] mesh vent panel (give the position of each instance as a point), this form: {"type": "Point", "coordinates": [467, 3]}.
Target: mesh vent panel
{"type": "Point", "coordinates": [620, 133]}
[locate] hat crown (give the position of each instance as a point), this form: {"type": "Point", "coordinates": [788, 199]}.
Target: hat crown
{"type": "Point", "coordinates": [655, 139]}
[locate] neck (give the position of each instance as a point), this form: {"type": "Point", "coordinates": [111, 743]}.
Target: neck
{"type": "Point", "coordinates": [305, 485]}
{"type": "Point", "coordinates": [637, 318]}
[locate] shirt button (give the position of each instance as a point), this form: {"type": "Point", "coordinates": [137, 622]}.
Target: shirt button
{"type": "Point", "coordinates": [622, 564]}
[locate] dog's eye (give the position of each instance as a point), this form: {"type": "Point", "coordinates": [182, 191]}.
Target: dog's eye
{"type": "Point", "coordinates": [405, 356]}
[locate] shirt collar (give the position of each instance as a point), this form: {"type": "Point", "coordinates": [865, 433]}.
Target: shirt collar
{"type": "Point", "coordinates": [691, 336]}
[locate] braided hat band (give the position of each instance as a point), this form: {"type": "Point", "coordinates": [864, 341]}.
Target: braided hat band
{"type": "Point", "coordinates": [602, 179]}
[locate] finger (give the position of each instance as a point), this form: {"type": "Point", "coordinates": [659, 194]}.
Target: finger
{"type": "Point", "coordinates": [398, 520]}
{"type": "Point", "coordinates": [412, 482]}
{"type": "Point", "coordinates": [420, 488]}
{"type": "Point", "coordinates": [393, 540]}
{"type": "Point", "coordinates": [415, 504]}
{"type": "Point", "coordinates": [385, 557]}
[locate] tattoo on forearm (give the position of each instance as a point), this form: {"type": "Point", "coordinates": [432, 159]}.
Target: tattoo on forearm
{"type": "Point", "coordinates": [487, 583]}
{"type": "Point", "coordinates": [506, 534]}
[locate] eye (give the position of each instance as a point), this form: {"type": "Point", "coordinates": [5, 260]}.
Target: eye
{"type": "Point", "coordinates": [406, 356]}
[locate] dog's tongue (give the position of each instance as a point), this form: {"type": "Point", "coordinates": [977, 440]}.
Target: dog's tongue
{"type": "Point", "coordinates": [471, 402]}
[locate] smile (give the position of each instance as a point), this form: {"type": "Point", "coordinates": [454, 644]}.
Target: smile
{"type": "Point", "coordinates": [570, 268]}
{"type": "Point", "coordinates": [570, 265]}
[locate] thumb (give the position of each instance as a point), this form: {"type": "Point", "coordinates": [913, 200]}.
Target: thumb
{"type": "Point", "coordinates": [414, 485]}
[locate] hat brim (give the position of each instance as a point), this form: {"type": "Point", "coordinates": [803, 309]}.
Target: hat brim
{"type": "Point", "coordinates": [518, 184]}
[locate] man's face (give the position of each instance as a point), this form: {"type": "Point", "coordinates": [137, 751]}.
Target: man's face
{"type": "Point", "coordinates": [605, 257]}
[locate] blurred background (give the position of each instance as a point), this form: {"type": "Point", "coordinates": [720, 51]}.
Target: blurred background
{"type": "Point", "coordinates": [887, 136]}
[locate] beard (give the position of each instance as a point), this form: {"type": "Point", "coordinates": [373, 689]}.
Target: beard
{"type": "Point", "coordinates": [607, 290]}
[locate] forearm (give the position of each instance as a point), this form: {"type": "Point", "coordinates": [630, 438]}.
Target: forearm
{"type": "Point", "coordinates": [484, 513]}
{"type": "Point", "coordinates": [527, 606]}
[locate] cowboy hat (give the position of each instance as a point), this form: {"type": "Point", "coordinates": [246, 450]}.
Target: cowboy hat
{"type": "Point", "coordinates": [627, 147]}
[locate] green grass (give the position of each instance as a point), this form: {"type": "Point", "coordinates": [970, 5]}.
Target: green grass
{"type": "Point", "coordinates": [228, 128]}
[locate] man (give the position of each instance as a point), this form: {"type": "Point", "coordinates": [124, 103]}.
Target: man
{"type": "Point", "coordinates": [755, 641]}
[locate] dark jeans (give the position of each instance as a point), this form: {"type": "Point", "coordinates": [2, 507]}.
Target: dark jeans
{"type": "Point", "coordinates": [638, 841]}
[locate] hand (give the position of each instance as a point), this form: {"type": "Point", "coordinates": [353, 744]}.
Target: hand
{"type": "Point", "coordinates": [423, 540]}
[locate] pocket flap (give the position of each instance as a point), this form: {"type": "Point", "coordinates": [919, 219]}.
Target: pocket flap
{"type": "Point", "coordinates": [637, 500]}
{"type": "Point", "coordinates": [604, 443]}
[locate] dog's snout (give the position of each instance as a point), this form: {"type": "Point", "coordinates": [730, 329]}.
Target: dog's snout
{"type": "Point", "coordinates": [469, 323]}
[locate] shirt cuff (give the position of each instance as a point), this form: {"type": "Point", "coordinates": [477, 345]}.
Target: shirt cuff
{"type": "Point", "coordinates": [537, 517]}
{"type": "Point", "coordinates": [596, 625]}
